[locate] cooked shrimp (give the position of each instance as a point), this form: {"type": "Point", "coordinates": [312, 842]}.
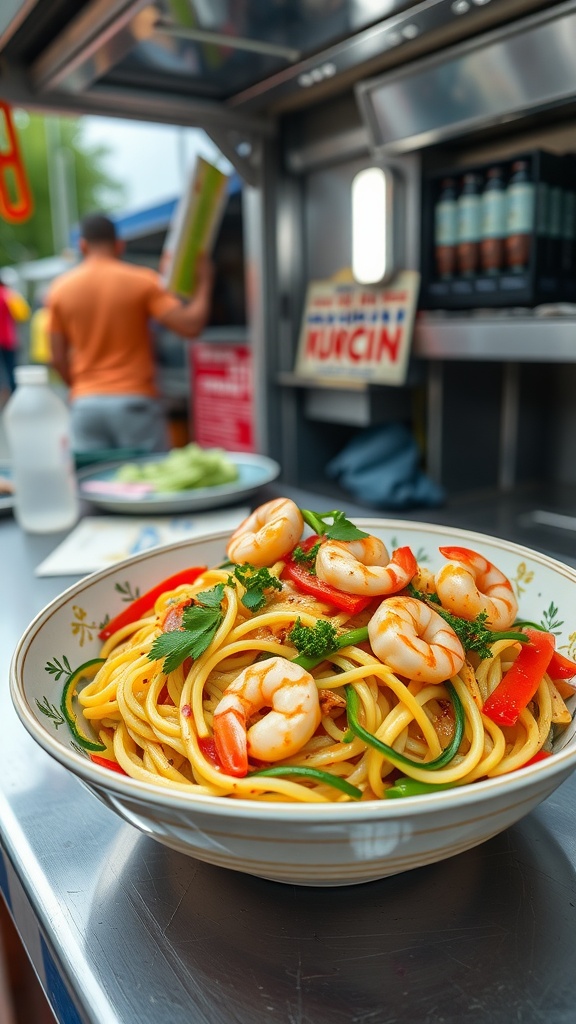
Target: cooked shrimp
{"type": "Point", "coordinates": [413, 640]}
{"type": "Point", "coordinates": [270, 532]}
{"type": "Point", "coordinates": [364, 566]}
{"type": "Point", "coordinates": [469, 584]}
{"type": "Point", "coordinates": [291, 693]}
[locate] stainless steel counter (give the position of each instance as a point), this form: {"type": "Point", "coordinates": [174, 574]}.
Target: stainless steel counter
{"type": "Point", "coordinates": [121, 929]}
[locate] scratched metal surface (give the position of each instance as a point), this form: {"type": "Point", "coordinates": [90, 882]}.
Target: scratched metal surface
{"type": "Point", "coordinates": [149, 935]}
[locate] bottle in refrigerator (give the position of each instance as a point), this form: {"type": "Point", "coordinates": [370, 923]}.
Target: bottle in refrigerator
{"type": "Point", "coordinates": [445, 229]}
{"type": "Point", "coordinates": [493, 222]}
{"type": "Point", "coordinates": [37, 425]}
{"type": "Point", "coordinates": [469, 225]}
{"type": "Point", "coordinates": [555, 215]}
{"type": "Point", "coordinates": [519, 217]}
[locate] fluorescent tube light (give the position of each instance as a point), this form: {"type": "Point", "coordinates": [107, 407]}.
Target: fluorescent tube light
{"type": "Point", "coordinates": [372, 227]}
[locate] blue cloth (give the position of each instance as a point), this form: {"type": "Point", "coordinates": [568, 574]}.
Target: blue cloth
{"type": "Point", "coordinates": [381, 467]}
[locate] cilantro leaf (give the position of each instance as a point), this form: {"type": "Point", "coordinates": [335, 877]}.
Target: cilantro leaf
{"type": "Point", "coordinates": [211, 598]}
{"type": "Point", "coordinates": [339, 528]}
{"type": "Point", "coordinates": [200, 621]}
{"type": "Point", "coordinates": [256, 581]}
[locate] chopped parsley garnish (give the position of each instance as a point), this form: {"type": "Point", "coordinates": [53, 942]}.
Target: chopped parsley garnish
{"type": "Point", "coordinates": [255, 582]}
{"type": "Point", "coordinates": [306, 558]}
{"type": "Point", "coordinates": [339, 528]}
{"type": "Point", "coordinates": [421, 595]}
{"type": "Point", "coordinates": [200, 622]}
{"type": "Point", "coordinates": [314, 641]}
{"type": "Point", "coordinates": [473, 635]}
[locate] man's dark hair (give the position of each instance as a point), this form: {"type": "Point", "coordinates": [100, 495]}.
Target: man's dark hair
{"type": "Point", "coordinates": [95, 227]}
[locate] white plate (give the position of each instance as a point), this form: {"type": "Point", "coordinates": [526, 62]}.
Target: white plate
{"type": "Point", "coordinates": [254, 471]}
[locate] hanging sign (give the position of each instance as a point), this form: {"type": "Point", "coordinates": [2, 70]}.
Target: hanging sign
{"type": "Point", "coordinates": [222, 406]}
{"type": "Point", "coordinates": [16, 203]}
{"type": "Point", "coordinates": [358, 331]}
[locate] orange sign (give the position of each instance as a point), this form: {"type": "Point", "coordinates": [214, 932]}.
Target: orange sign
{"type": "Point", "coordinates": [351, 330]}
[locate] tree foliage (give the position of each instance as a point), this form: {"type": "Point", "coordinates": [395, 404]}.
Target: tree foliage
{"type": "Point", "coordinates": [88, 185]}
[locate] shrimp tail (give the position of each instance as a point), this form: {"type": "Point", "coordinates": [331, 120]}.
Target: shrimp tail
{"type": "Point", "coordinates": [456, 553]}
{"type": "Point", "coordinates": [230, 742]}
{"type": "Point", "coordinates": [404, 560]}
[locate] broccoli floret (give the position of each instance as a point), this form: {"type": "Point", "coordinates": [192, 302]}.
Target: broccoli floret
{"type": "Point", "coordinates": [314, 641]}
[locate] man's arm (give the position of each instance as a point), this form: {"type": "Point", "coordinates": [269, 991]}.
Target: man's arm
{"type": "Point", "coordinates": [59, 357]}
{"type": "Point", "coordinates": [190, 318]}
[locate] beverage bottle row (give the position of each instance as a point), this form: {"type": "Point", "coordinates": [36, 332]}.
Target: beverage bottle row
{"type": "Point", "coordinates": [484, 224]}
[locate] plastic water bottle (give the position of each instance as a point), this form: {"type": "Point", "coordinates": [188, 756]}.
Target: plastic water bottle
{"type": "Point", "coordinates": [37, 424]}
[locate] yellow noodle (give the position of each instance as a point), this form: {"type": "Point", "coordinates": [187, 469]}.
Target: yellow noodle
{"type": "Point", "coordinates": [168, 743]}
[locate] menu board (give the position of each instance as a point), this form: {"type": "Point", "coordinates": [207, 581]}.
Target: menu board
{"type": "Point", "coordinates": [222, 406]}
{"type": "Point", "coordinates": [358, 331]}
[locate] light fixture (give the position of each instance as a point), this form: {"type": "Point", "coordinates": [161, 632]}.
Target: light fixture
{"type": "Point", "coordinates": [372, 226]}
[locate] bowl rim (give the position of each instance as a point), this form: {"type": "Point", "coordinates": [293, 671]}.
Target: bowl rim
{"type": "Point", "coordinates": [100, 778]}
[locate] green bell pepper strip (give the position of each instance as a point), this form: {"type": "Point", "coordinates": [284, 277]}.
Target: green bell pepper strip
{"type": "Point", "coordinates": [68, 711]}
{"type": "Point", "coordinates": [405, 786]}
{"type": "Point", "coordinates": [311, 773]}
{"type": "Point", "coordinates": [447, 755]}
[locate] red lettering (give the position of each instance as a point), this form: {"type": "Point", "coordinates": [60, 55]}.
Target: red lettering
{"type": "Point", "coordinates": [389, 345]}
{"type": "Point", "coordinates": [357, 345]}
{"type": "Point", "coordinates": [369, 351]}
{"type": "Point", "coordinates": [337, 342]}
{"type": "Point", "coordinates": [312, 342]}
{"type": "Point", "coordinates": [368, 298]}
{"type": "Point", "coordinates": [326, 344]}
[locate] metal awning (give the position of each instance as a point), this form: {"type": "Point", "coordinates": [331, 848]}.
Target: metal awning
{"type": "Point", "coordinates": [226, 67]}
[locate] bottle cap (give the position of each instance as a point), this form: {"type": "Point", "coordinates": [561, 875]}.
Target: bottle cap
{"type": "Point", "coordinates": [36, 374]}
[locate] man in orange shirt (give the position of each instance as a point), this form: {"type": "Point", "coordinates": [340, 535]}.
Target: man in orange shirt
{"type": "Point", "coordinates": [101, 343]}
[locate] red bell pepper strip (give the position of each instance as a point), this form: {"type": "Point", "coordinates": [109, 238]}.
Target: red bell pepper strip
{"type": "Point", "coordinates": [310, 584]}
{"type": "Point", "coordinates": [104, 762]}
{"type": "Point", "coordinates": [138, 608]}
{"type": "Point", "coordinates": [306, 581]}
{"type": "Point", "coordinates": [403, 558]}
{"type": "Point", "coordinates": [230, 743]}
{"type": "Point", "coordinates": [519, 684]}
{"type": "Point", "coordinates": [561, 667]}
{"type": "Point", "coordinates": [174, 615]}
{"type": "Point", "coordinates": [208, 748]}
{"type": "Point", "coordinates": [540, 755]}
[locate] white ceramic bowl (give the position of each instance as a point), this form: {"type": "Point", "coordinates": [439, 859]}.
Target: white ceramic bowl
{"type": "Point", "coordinates": [319, 844]}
